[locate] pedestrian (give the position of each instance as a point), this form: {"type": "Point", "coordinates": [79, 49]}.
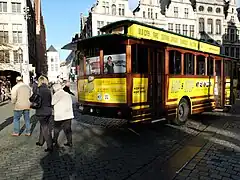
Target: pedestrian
{"type": "Point", "coordinates": [63, 114]}
{"type": "Point", "coordinates": [44, 113]}
{"type": "Point", "coordinates": [67, 88]}
{"type": "Point", "coordinates": [20, 95]}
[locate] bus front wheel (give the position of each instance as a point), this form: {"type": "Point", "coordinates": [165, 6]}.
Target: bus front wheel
{"type": "Point", "coordinates": [182, 112]}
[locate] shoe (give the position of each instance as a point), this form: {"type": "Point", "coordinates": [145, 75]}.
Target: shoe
{"type": "Point", "coordinates": [38, 144]}
{"type": "Point", "coordinates": [48, 150]}
{"type": "Point", "coordinates": [15, 134]}
{"type": "Point", "coordinates": [28, 134]}
{"type": "Point", "coordinates": [68, 144]}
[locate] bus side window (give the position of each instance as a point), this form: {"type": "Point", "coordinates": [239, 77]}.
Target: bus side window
{"type": "Point", "coordinates": [210, 66]}
{"type": "Point", "coordinates": [188, 64]}
{"type": "Point", "coordinates": [227, 68]}
{"type": "Point", "coordinates": [235, 70]}
{"type": "Point", "coordinates": [139, 59]}
{"type": "Point", "coordinates": [218, 67]}
{"type": "Point", "coordinates": [200, 65]}
{"type": "Point", "coordinates": [174, 62]}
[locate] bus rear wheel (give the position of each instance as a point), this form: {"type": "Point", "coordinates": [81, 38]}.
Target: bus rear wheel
{"type": "Point", "coordinates": [182, 112]}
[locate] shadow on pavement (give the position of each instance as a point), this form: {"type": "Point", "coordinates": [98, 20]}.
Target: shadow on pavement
{"type": "Point", "coordinates": [33, 121]}
{"type": "Point", "coordinates": [6, 123]}
{"type": "Point", "coordinates": [52, 165]}
{"type": "Point", "coordinates": [3, 103]}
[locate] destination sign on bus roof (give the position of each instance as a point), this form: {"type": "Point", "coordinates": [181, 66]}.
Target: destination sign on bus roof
{"type": "Point", "coordinates": [140, 31]}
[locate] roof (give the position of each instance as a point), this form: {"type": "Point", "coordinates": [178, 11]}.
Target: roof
{"type": "Point", "coordinates": [51, 49]}
{"type": "Point", "coordinates": [128, 22]}
{"type": "Point", "coordinates": [92, 40]}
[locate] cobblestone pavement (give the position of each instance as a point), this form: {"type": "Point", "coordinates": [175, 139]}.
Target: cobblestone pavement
{"type": "Point", "coordinates": [100, 152]}
{"type": "Point", "coordinates": [220, 157]}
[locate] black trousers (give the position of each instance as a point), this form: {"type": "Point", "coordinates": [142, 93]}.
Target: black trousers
{"type": "Point", "coordinates": [45, 131]}
{"type": "Point", "coordinates": [64, 125]}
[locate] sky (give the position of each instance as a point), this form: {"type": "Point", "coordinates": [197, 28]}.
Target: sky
{"type": "Point", "coordinates": [62, 20]}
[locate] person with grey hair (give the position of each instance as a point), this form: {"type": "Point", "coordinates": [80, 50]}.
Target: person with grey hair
{"type": "Point", "coordinates": [20, 95]}
{"type": "Point", "coordinates": [63, 114]}
{"type": "Point", "coordinates": [44, 113]}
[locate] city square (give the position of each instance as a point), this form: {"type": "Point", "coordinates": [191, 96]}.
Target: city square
{"type": "Point", "coordinates": [143, 89]}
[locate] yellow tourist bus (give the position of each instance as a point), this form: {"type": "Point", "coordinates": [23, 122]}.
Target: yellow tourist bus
{"type": "Point", "coordinates": [142, 73]}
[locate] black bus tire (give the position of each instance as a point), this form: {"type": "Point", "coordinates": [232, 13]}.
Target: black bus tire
{"type": "Point", "coordinates": [182, 112]}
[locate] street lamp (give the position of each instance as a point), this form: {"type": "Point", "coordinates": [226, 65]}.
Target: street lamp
{"type": "Point", "coordinates": [20, 53]}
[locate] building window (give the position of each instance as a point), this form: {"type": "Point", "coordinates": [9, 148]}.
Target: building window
{"type": "Point", "coordinates": [227, 51]}
{"type": "Point", "coordinates": [3, 6]}
{"type": "Point", "coordinates": [175, 11]}
{"type": "Point", "coordinates": [210, 26]}
{"type": "Point", "coordinates": [232, 19]}
{"type": "Point", "coordinates": [237, 52]}
{"type": "Point", "coordinates": [114, 10]}
{"type": "Point", "coordinates": [52, 60]}
{"type": "Point", "coordinates": [186, 12]}
{"type": "Point", "coordinates": [99, 25]}
{"type": "Point", "coordinates": [106, 7]}
{"type": "Point", "coordinates": [144, 14]}
{"type": "Point", "coordinates": [17, 37]}
{"type": "Point", "coordinates": [17, 33]}
{"type": "Point", "coordinates": [56, 67]}
{"type": "Point", "coordinates": [16, 57]}
{"type": "Point", "coordinates": [156, 15]}
{"type": "Point", "coordinates": [185, 30]}
{"type": "Point", "coordinates": [178, 28]}
{"type": "Point", "coordinates": [149, 13]}
{"type": "Point", "coordinates": [218, 10]}
{"type": "Point", "coordinates": [52, 67]}
{"type": "Point", "coordinates": [4, 56]}
{"type": "Point", "coordinates": [121, 9]}
{"type": "Point", "coordinates": [209, 9]}
{"type": "Point", "coordinates": [170, 26]}
{"type": "Point", "coordinates": [201, 8]}
{"type": "Point", "coordinates": [4, 36]}
{"type": "Point", "coordinates": [16, 7]}
{"type": "Point", "coordinates": [201, 25]}
{"type": "Point", "coordinates": [191, 30]}
{"type": "Point", "coordinates": [218, 26]}
{"type": "Point", "coordinates": [232, 35]}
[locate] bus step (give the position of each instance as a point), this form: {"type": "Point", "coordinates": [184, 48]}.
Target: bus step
{"type": "Point", "coordinates": [218, 110]}
{"type": "Point", "coordinates": [158, 120]}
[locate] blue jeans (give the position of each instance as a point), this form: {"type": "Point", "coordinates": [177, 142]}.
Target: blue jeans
{"type": "Point", "coordinates": [16, 120]}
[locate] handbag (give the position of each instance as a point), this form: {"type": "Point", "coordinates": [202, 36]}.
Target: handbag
{"type": "Point", "coordinates": [36, 100]}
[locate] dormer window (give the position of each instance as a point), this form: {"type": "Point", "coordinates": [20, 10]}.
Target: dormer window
{"type": "Point", "coordinates": [201, 8]}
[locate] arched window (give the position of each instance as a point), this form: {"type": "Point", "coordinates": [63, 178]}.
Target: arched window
{"type": "Point", "coordinates": [210, 26]}
{"type": "Point", "coordinates": [209, 9]}
{"type": "Point", "coordinates": [201, 25]}
{"type": "Point", "coordinates": [201, 8]}
{"type": "Point", "coordinates": [114, 12]}
{"type": "Point", "coordinates": [218, 26]}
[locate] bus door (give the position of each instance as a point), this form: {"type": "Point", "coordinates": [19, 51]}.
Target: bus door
{"type": "Point", "coordinates": [218, 87]}
{"type": "Point", "coordinates": [156, 62]}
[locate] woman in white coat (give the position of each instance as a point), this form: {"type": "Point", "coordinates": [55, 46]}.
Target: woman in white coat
{"type": "Point", "coordinates": [63, 114]}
